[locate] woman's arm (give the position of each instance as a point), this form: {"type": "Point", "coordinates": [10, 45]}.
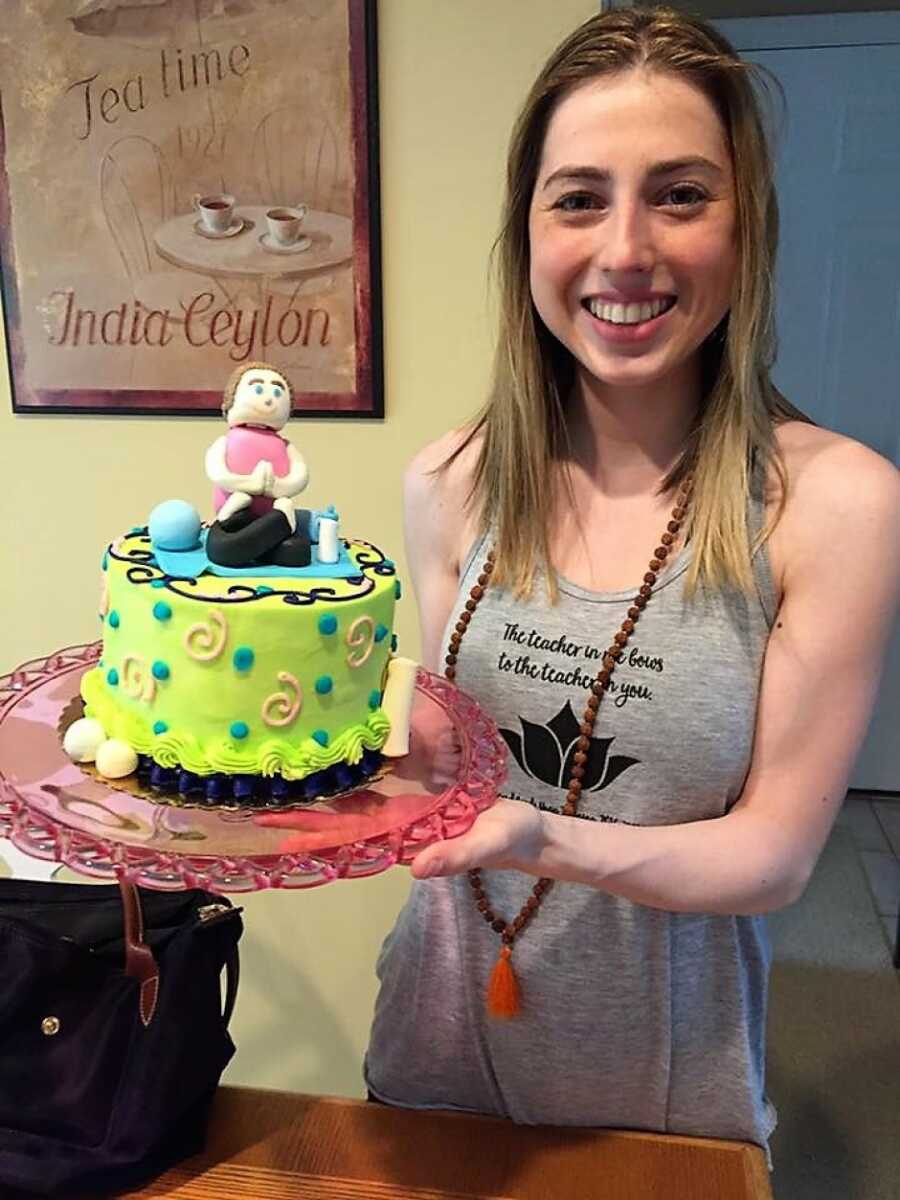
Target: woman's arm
{"type": "Point", "coordinates": [438, 532]}
{"type": "Point", "coordinates": [820, 677]}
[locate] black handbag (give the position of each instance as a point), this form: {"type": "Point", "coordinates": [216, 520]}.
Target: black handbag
{"type": "Point", "coordinates": [113, 1031]}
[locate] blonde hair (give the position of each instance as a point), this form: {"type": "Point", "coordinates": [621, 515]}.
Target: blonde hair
{"type": "Point", "coordinates": [522, 426]}
{"type": "Point", "coordinates": [238, 374]}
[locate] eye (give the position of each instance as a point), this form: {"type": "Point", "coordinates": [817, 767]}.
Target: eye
{"type": "Point", "coordinates": [690, 194]}
{"type": "Point", "coordinates": [576, 202]}
{"type": "Point", "coordinates": [277, 391]}
{"type": "Point", "coordinates": [258, 389]}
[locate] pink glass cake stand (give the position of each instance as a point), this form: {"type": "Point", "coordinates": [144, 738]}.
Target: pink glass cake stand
{"type": "Point", "coordinates": [51, 809]}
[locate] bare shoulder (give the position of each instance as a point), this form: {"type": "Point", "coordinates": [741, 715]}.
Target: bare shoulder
{"type": "Point", "coordinates": [839, 491]}
{"type": "Point", "coordinates": [834, 473]}
{"type": "Point", "coordinates": [431, 458]}
{"type": "Point", "coordinates": [436, 488]}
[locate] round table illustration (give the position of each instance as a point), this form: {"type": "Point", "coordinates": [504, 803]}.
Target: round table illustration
{"type": "Point", "coordinates": [51, 809]}
{"type": "Point", "coordinates": [245, 254]}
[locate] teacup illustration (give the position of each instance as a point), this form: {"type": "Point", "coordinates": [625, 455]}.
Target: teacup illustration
{"type": "Point", "coordinates": [284, 224]}
{"type": "Point", "coordinates": [216, 212]}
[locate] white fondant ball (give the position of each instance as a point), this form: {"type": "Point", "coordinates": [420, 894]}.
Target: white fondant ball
{"type": "Point", "coordinates": [82, 739]}
{"type": "Point", "coordinates": [175, 525]}
{"type": "Point", "coordinates": [116, 759]}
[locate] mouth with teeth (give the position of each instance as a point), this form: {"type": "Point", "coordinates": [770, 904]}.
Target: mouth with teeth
{"type": "Point", "coordinates": [637, 313]}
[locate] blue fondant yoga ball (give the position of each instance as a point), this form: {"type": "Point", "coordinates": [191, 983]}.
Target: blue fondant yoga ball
{"type": "Point", "coordinates": [175, 525]}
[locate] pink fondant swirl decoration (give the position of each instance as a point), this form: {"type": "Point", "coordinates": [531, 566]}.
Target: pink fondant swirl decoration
{"type": "Point", "coordinates": [205, 641]}
{"type": "Point", "coordinates": [282, 707]}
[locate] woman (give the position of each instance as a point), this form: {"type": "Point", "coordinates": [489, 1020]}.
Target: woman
{"type": "Point", "coordinates": [702, 723]}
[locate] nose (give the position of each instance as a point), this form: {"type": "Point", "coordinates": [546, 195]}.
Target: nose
{"type": "Point", "coordinates": [626, 244]}
{"type": "Point", "coordinates": [268, 402]}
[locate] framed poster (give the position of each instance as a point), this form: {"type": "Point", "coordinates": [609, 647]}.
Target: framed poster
{"type": "Point", "coordinates": [185, 186]}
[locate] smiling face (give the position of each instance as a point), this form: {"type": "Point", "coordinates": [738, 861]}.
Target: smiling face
{"type": "Point", "coordinates": [632, 256]}
{"type": "Point", "coordinates": [261, 397]}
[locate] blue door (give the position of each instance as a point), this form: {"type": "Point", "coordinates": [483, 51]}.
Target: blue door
{"type": "Point", "coordinates": [838, 280]}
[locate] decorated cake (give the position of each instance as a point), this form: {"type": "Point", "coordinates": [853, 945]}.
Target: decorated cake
{"type": "Point", "coordinates": [251, 660]}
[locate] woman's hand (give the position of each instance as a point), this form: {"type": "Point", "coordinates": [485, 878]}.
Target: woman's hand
{"type": "Point", "coordinates": [510, 834]}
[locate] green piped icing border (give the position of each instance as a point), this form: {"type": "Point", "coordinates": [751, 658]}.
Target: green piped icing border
{"type": "Point", "coordinates": [273, 757]}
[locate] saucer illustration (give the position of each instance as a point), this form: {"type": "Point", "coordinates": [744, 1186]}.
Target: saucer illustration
{"type": "Point", "coordinates": [236, 226]}
{"type": "Point", "coordinates": [268, 243]}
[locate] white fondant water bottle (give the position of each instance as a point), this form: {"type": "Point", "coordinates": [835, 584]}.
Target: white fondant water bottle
{"type": "Point", "coordinates": [328, 540]}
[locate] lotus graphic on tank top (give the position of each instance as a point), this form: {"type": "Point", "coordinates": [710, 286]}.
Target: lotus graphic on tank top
{"type": "Point", "coordinates": [546, 752]}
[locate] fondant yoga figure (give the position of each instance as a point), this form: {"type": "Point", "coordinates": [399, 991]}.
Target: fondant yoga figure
{"type": "Point", "coordinates": [257, 472]}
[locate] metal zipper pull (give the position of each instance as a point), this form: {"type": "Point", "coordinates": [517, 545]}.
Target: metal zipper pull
{"type": "Point", "coordinates": [212, 912]}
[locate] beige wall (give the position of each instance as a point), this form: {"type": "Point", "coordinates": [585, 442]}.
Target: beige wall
{"type": "Point", "coordinates": [452, 75]}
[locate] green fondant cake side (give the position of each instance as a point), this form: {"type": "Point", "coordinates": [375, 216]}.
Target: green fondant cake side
{"type": "Point", "coordinates": [216, 674]}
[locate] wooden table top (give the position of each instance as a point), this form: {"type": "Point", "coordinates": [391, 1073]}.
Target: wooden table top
{"type": "Point", "coordinates": [284, 1146]}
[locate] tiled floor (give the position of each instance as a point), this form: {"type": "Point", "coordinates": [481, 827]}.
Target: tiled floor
{"type": "Point", "coordinates": [875, 825]}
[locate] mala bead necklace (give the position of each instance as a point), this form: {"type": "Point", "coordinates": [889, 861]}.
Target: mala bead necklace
{"type": "Point", "coordinates": [503, 997]}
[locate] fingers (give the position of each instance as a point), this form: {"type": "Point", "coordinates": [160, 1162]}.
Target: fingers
{"type": "Point", "coordinates": [293, 845]}
{"type": "Point", "coordinates": [278, 820]}
{"type": "Point", "coordinates": [477, 848]}
{"type": "Point", "coordinates": [432, 862]}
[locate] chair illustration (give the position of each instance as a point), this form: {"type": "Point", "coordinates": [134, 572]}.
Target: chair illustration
{"type": "Point", "coordinates": [137, 195]}
{"type": "Point", "coordinates": [297, 157]}
{"type": "Point", "coordinates": [298, 161]}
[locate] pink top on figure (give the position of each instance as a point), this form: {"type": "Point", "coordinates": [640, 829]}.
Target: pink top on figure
{"type": "Point", "coordinates": [252, 466]}
{"type": "Point", "coordinates": [244, 448]}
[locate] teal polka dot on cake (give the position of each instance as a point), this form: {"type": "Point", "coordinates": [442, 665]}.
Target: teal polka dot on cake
{"type": "Point", "coordinates": [159, 727]}
{"type": "Point", "coordinates": [262, 590]}
{"type": "Point", "coordinates": [398, 590]}
{"type": "Point", "coordinates": [394, 643]}
{"type": "Point", "coordinates": [112, 677]}
{"type": "Point", "coordinates": [157, 583]}
{"type": "Point", "coordinates": [243, 658]}
{"type": "Point", "coordinates": [320, 736]}
{"type": "Point", "coordinates": [324, 684]}
{"type": "Point", "coordinates": [113, 619]}
{"type": "Point", "coordinates": [374, 699]}
{"type": "Point", "coordinates": [105, 559]}
{"type": "Point", "coordinates": [239, 729]}
{"type": "Point", "coordinates": [160, 670]}
{"type": "Point", "coordinates": [162, 611]}
{"type": "Point", "coordinates": [381, 632]}
{"type": "Point", "coordinates": [328, 624]}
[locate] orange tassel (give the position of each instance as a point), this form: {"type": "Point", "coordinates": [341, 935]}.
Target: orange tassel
{"type": "Point", "coordinates": [503, 990]}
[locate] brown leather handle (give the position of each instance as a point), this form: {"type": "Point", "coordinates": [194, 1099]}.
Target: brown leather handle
{"type": "Point", "coordinates": [139, 961]}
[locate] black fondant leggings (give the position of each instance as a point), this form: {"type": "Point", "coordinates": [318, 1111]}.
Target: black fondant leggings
{"type": "Point", "coordinates": [246, 539]}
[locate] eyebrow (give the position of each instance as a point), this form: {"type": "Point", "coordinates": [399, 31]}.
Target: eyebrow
{"type": "Point", "coordinates": [670, 167]}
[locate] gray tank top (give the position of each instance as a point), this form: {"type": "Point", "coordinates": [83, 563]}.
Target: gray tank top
{"type": "Point", "coordinates": [632, 1017]}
